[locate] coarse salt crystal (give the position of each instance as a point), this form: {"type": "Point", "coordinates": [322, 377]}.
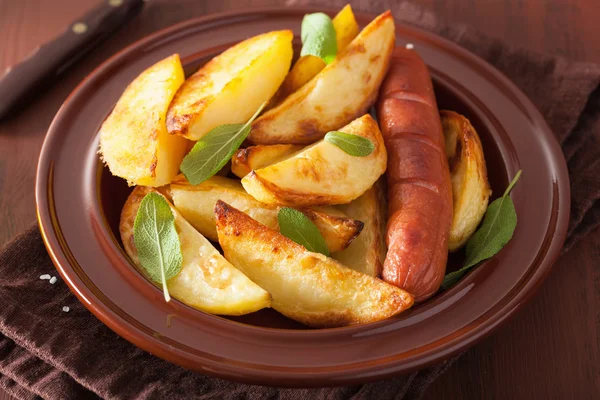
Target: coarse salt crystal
{"type": "Point", "coordinates": [53, 280]}
{"type": "Point", "coordinates": [410, 46]}
{"type": "Point", "coordinates": [66, 309]}
{"type": "Point", "coordinates": [45, 277]}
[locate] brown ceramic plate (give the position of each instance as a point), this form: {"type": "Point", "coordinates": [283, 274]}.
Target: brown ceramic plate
{"type": "Point", "coordinates": [79, 204]}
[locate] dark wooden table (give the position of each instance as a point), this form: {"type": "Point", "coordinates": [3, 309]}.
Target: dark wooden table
{"type": "Point", "coordinates": [550, 350]}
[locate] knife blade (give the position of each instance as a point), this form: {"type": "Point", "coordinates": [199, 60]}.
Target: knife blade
{"type": "Point", "coordinates": [49, 61]}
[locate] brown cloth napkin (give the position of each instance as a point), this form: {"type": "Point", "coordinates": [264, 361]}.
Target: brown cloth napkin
{"type": "Point", "coordinates": [48, 353]}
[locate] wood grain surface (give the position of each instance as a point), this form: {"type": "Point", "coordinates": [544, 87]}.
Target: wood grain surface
{"type": "Point", "coordinates": [550, 350]}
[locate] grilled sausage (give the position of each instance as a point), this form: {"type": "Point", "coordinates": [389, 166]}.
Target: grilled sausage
{"type": "Point", "coordinates": [419, 187]}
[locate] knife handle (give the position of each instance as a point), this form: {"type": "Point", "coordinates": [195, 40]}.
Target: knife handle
{"type": "Point", "coordinates": [48, 61]}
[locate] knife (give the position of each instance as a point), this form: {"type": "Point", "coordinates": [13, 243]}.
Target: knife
{"type": "Point", "coordinates": [49, 61]}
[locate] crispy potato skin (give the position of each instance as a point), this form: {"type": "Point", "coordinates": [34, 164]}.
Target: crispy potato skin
{"type": "Point", "coordinates": [419, 186]}
{"type": "Point", "coordinates": [341, 92]}
{"type": "Point", "coordinates": [339, 232]}
{"type": "Point", "coordinates": [470, 187]}
{"type": "Point", "coordinates": [366, 253]}
{"type": "Point", "coordinates": [321, 174]}
{"type": "Point", "coordinates": [134, 142]}
{"type": "Point", "coordinates": [307, 287]}
{"type": "Point", "coordinates": [206, 281]}
{"type": "Point", "coordinates": [230, 88]}
{"type": "Point", "coordinates": [196, 204]}
{"type": "Point", "coordinates": [257, 157]}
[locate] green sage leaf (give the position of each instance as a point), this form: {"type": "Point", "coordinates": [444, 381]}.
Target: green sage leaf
{"type": "Point", "coordinates": [298, 227]}
{"type": "Point", "coordinates": [318, 37]}
{"type": "Point", "coordinates": [215, 149]}
{"type": "Point", "coordinates": [354, 145]}
{"type": "Point", "coordinates": [497, 228]}
{"type": "Point", "coordinates": [156, 240]}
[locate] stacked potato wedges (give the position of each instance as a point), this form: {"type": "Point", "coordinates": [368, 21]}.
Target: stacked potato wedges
{"type": "Point", "coordinates": [284, 163]}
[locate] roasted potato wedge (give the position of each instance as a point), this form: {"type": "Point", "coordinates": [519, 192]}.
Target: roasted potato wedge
{"type": "Point", "coordinates": [257, 157]}
{"type": "Point", "coordinates": [367, 252]}
{"type": "Point", "coordinates": [307, 287]}
{"type": "Point", "coordinates": [197, 202]}
{"type": "Point", "coordinates": [323, 173]}
{"type": "Point", "coordinates": [134, 142]}
{"type": "Point", "coordinates": [207, 281]}
{"type": "Point", "coordinates": [338, 230]}
{"type": "Point", "coordinates": [341, 92]}
{"type": "Point", "coordinates": [346, 28]}
{"type": "Point", "coordinates": [308, 66]}
{"type": "Point", "coordinates": [231, 87]}
{"type": "Point", "coordinates": [470, 187]}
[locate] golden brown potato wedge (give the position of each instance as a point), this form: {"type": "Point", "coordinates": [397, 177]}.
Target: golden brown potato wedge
{"type": "Point", "coordinates": [323, 173]}
{"type": "Point", "coordinates": [346, 28]}
{"type": "Point", "coordinates": [470, 187]}
{"type": "Point", "coordinates": [308, 66]}
{"type": "Point", "coordinates": [338, 230]}
{"type": "Point", "coordinates": [307, 287]}
{"type": "Point", "coordinates": [230, 88]}
{"type": "Point", "coordinates": [134, 142]}
{"type": "Point", "coordinates": [341, 92]}
{"type": "Point", "coordinates": [257, 157]}
{"type": "Point", "coordinates": [367, 252]}
{"type": "Point", "coordinates": [207, 281]}
{"type": "Point", "coordinates": [197, 202]}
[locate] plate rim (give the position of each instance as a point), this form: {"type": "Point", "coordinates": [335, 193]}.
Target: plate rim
{"type": "Point", "coordinates": [48, 225]}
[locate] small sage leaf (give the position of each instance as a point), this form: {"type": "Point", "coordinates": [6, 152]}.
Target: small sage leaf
{"type": "Point", "coordinates": [214, 150]}
{"type": "Point", "coordinates": [298, 227]}
{"type": "Point", "coordinates": [318, 37]}
{"type": "Point", "coordinates": [354, 145]}
{"type": "Point", "coordinates": [156, 240]}
{"type": "Point", "coordinates": [497, 228]}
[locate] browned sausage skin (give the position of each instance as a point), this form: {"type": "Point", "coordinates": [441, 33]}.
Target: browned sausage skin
{"type": "Point", "coordinates": [419, 187]}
